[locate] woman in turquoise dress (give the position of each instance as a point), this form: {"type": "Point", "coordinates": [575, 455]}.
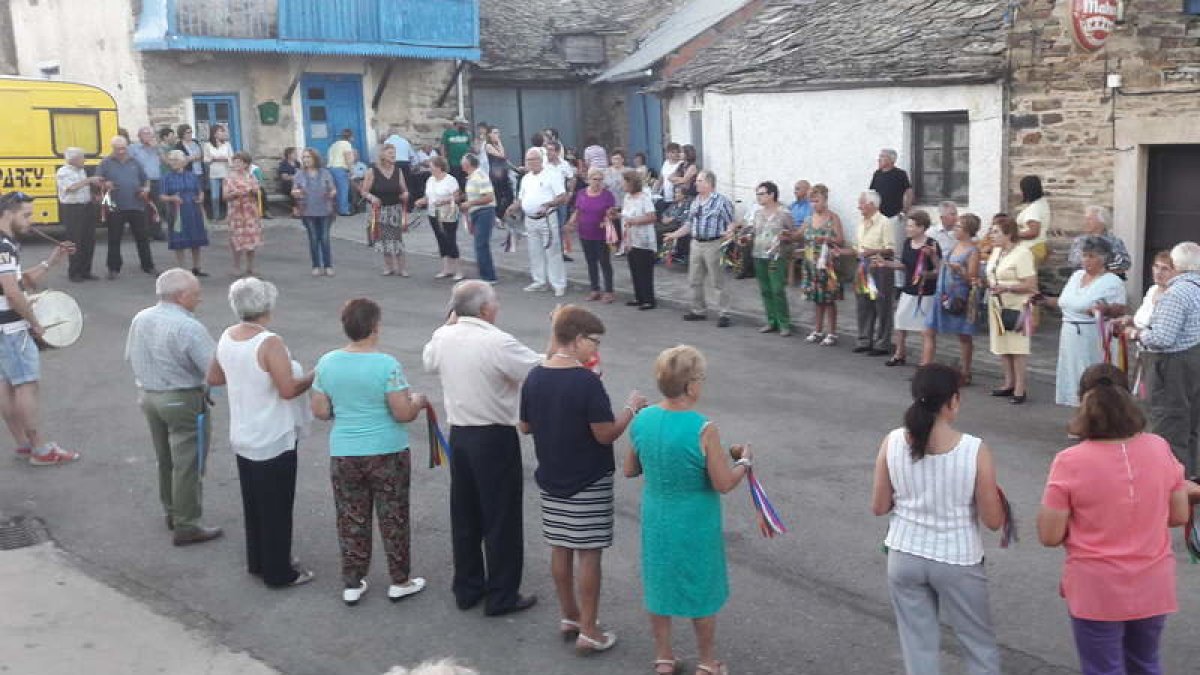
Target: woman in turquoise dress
{"type": "Point", "coordinates": [181, 189]}
{"type": "Point", "coordinates": [686, 470]}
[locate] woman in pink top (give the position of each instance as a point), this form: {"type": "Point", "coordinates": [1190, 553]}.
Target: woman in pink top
{"type": "Point", "coordinates": [1109, 501]}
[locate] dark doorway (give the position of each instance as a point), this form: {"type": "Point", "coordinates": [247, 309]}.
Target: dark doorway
{"type": "Point", "coordinates": [1172, 200]}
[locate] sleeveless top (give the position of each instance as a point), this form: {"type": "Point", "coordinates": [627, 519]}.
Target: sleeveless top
{"type": "Point", "coordinates": [262, 425]}
{"type": "Point", "coordinates": [387, 189]}
{"type": "Point", "coordinates": [934, 515]}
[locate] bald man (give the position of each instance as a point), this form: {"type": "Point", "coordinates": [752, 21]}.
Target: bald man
{"type": "Point", "coordinates": [801, 208]}
{"type": "Point", "coordinates": [128, 189]}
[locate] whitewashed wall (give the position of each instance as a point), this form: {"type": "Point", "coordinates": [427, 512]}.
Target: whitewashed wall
{"type": "Point", "coordinates": [834, 137]}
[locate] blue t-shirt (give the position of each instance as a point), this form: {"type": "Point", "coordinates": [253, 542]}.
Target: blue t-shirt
{"type": "Point", "coordinates": [357, 385]}
{"type": "Point", "coordinates": [561, 404]}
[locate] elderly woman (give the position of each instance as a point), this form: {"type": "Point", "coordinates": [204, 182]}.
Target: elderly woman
{"type": "Point", "coordinates": [772, 228]}
{"type": "Point", "coordinates": [370, 464]}
{"type": "Point", "coordinates": [565, 407]}
{"type": "Point", "coordinates": [639, 216]}
{"type": "Point", "coordinates": [686, 471]}
{"type": "Point", "coordinates": [951, 303]}
{"type": "Point", "coordinates": [938, 484]}
{"type": "Point", "coordinates": [1089, 290]}
{"type": "Point", "coordinates": [591, 210]}
{"type": "Point", "coordinates": [315, 194]}
{"type": "Point", "coordinates": [1033, 220]}
{"type": "Point", "coordinates": [1110, 501]}
{"type": "Point", "coordinates": [77, 213]}
{"type": "Point", "coordinates": [441, 189]}
{"type": "Point", "coordinates": [385, 188]}
{"type": "Point", "coordinates": [1012, 280]}
{"type": "Point", "coordinates": [262, 382]}
{"type": "Point", "coordinates": [241, 190]}
{"type": "Point", "coordinates": [919, 261]}
{"type": "Point", "coordinates": [1162, 270]}
{"type": "Point", "coordinates": [183, 195]}
{"type": "Point", "coordinates": [822, 237]}
{"type": "Point", "coordinates": [1096, 222]}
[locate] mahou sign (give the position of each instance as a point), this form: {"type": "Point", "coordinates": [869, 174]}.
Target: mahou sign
{"type": "Point", "coordinates": [1093, 21]}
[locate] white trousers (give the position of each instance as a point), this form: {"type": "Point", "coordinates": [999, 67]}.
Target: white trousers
{"type": "Point", "coordinates": [545, 251]}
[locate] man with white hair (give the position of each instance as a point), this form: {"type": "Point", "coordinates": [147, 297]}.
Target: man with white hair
{"type": "Point", "coordinates": [20, 364]}
{"type": "Point", "coordinates": [148, 154]}
{"type": "Point", "coordinates": [128, 187]}
{"type": "Point", "coordinates": [170, 352]}
{"type": "Point", "coordinates": [895, 196]}
{"type": "Point", "coordinates": [481, 370]}
{"type": "Point", "coordinates": [943, 231]}
{"type": "Point", "coordinates": [874, 282]}
{"type": "Point", "coordinates": [542, 192]}
{"type": "Point", "coordinates": [1173, 343]}
{"type": "Point", "coordinates": [710, 222]}
{"type": "Point", "coordinates": [1096, 222]}
{"type": "Point", "coordinates": [77, 213]}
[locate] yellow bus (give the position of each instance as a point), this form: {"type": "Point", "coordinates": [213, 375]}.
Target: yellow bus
{"type": "Point", "coordinates": [42, 119]}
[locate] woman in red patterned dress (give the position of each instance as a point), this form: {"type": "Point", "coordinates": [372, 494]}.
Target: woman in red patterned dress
{"type": "Point", "coordinates": [245, 229]}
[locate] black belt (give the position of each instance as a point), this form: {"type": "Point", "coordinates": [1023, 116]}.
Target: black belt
{"type": "Point", "coordinates": [705, 241]}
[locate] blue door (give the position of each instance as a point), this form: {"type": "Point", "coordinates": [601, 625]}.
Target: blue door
{"type": "Point", "coordinates": [645, 126]}
{"type": "Point", "coordinates": [213, 109]}
{"type": "Point", "coordinates": [333, 103]}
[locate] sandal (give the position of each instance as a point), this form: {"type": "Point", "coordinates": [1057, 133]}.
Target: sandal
{"type": "Point", "coordinates": [829, 341]}
{"type": "Point", "coordinates": [661, 665]}
{"type": "Point", "coordinates": [717, 668]}
{"type": "Point", "coordinates": [895, 361]}
{"type": "Point", "coordinates": [585, 645]}
{"type": "Point", "coordinates": [814, 337]}
{"type": "Point", "coordinates": [568, 629]}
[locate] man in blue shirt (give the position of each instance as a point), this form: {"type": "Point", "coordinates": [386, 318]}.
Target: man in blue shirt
{"type": "Point", "coordinates": [128, 188]}
{"type": "Point", "coordinates": [801, 208]}
{"type": "Point", "coordinates": [149, 155]}
{"type": "Point", "coordinates": [709, 224]}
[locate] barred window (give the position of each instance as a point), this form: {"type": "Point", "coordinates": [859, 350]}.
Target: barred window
{"type": "Point", "coordinates": [942, 152]}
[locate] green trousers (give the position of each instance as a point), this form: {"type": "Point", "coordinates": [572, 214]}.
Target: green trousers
{"type": "Point", "coordinates": [1174, 402]}
{"type": "Point", "coordinates": [772, 282]}
{"type": "Point", "coordinates": [174, 418]}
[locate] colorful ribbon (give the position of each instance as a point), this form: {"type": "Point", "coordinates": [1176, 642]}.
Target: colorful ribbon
{"type": "Point", "coordinates": [201, 442]}
{"type": "Point", "coordinates": [865, 282]}
{"type": "Point", "coordinates": [439, 448]}
{"type": "Point", "coordinates": [1008, 535]}
{"type": "Point", "coordinates": [666, 254]}
{"type": "Point", "coordinates": [373, 227]}
{"type": "Point", "coordinates": [1191, 535]}
{"type": "Point", "coordinates": [769, 522]}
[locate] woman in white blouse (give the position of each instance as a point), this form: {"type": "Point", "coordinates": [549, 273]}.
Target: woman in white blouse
{"type": "Point", "coordinates": [639, 216]}
{"type": "Point", "coordinates": [440, 191]}
{"type": "Point", "coordinates": [218, 152]}
{"type": "Point", "coordinates": [1033, 220]}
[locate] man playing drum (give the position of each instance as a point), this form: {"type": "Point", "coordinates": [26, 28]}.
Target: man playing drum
{"type": "Point", "coordinates": [19, 361]}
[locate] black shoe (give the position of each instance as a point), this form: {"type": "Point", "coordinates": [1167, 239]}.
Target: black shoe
{"type": "Point", "coordinates": [648, 305]}
{"type": "Point", "coordinates": [170, 522]}
{"type": "Point", "coordinates": [196, 535]}
{"type": "Point", "coordinates": [196, 271]}
{"type": "Point", "coordinates": [894, 361]}
{"type": "Point", "coordinates": [113, 274]}
{"type": "Point", "coordinates": [465, 605]}
{"type": "Point", "coordinates": [860, 350]}
{"type": "Point", "coordinates": [75, 278]}
{"type": "Point", "coordinates": [632, 303]}
{"type": "Point", "coordinates": [1001, 393]}
{"type": "Point", "coordinates": [1017, 400]}
{"type": "Point", "coordinates": [567, 258]}
{"type": "Point", "coordinates": [523, 603]}
{"type": "Point", "coordinates": [152, 271]}
{"type": "Point", "coordinates": [878, 352]}
{"type": "Point", "coordinates": [692, 316]}
{"type": "Point", "coordinates": [90, 277]}
{"type": "Point", "coordinates": [724, 322]}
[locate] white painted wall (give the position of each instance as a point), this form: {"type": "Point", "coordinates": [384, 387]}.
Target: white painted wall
{"type": "Point", "coordinates": [91, 41]}
{"type": "Point", "coordinates": [834, 137]}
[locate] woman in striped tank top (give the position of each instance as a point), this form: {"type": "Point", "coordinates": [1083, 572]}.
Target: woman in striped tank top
{"type": "Point", "coordinates": [938, 484]}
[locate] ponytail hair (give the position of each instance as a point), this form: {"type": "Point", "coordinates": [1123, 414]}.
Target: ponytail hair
{"type": "Point", "coordinates": [1106, 408]}
{"type": "Point", "coordinates": [933, 387]}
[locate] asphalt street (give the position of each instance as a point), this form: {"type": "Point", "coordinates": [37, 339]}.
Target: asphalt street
{"type": "Point", "coordinates": [813, 601]}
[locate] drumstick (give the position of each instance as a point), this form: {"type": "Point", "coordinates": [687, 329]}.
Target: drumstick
{"type": "Point", "coordinates": [43, 235]}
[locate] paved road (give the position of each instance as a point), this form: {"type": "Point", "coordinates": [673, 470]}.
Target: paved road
{"type": "Point", "coordinates": [814, 601]}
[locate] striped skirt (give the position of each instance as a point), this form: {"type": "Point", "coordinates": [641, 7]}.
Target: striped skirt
{"type": "Point", "coordinates": [583, 520]}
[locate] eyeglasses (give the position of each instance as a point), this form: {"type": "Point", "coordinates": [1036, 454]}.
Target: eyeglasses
{"type": "Point", "coordinates": [594, 340]}
{"type": "Point", "coordinates": [699, 378]}
{"type": "Point", "coordinates": [760, 194]}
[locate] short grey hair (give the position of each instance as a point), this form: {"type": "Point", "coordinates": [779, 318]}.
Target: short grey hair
{"type": "Point", "coordinates": [948, 208]}
{"type": "Point", "coordinates": [871, 196]}
{"type": "Point", "coordinates": [174, 281]}
{"type": "Point", "coordinates": [890, 153]}
{"type": "Point", "coordinates": [73, 153]}
{"type": "Point", "coordinates": [709, 177]}
{"type": "Point", "coordinates": [1186, 257]}
{"type": "Point", "coordinates": [1096, 246]}
{"type": "Point", "coordinates": [469, 297]}
{"type": "Point", "coordinates": [1101, 213]}
{"type": "Point", "coordinates": [176, 155]}
{"type": "Point", "coordinates": [440, 667]}
{"type": "Point", "coordinates": [252, 298]}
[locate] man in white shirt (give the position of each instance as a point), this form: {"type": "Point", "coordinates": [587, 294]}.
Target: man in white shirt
{"type": "Point", "coordinates": [541, 194]}
{"type": "Point", "coordinates": [943, 230]}
{"type": "Point", "coordinates": [481, 369]}
{"type": "Point", "coordinates": [555, 162]}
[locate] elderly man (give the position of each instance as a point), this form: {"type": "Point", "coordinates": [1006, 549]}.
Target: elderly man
{"type": "Point", "coordinates": [77, 213]}
{"type": "Point", "coordinates": [481, 369]}
{"type": "Point", "coordinates": [708, 223]}
{"type": "Point", "coordinates": [170, 352]}
{"type": "Point", "coordinates": [1173, 344]}
{"type": "Point", "coordinates": [801, 208]}
{"type": "Point", "coordinates": [541, 193]}
{"type": "Point", "coordinates": [943, 231]}
{"type": "Point", "coordinates": [20, 364]}
{"type": "Point", "coordinates": [129, 187]}
{"type": "Point", "coordinates": [895, 195]}
{"type": "Point", "coordinates": [147, 153]}
{"type": "Point", "coordinates": [1096, 222]}
{"type": "Point", "coordinates": [479, 199]}
{"type": "Point", "coordinates": [874, 302]}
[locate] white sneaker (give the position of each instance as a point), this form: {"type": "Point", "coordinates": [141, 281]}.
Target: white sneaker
{"type": "Point", "coordinates": [351, 596]}
{"type": "Point", "coordinates": [397, 592]}
{"type": "Point", "coordinates": [534, 287]}
{"type": "Point", "coordinates": [814, 337]}
{"type": "Point", "coordinates": [559, 292]}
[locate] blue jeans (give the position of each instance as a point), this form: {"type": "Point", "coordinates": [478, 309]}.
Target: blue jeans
{"type": "Point", "coordinates": [483, 220]}
{"type": "Point", "coordinates": [20, 362]}
{"type": "Point", "coordinates": [341, 179]}
{"type": "Point", "coordinates": [318, 228]}
{"type": "Point", "coordinates": [215, 186]}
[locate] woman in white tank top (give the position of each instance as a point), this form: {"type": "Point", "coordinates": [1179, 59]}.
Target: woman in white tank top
{"type": "Point", "coordinates": [263, 419]}
{"type": "Point", "coordinates": [938, 484]}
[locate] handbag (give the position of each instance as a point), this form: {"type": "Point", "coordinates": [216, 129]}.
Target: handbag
{"type": "Point", "coordinates": [1010, 319]}
{"type": "Point", "coordinates": [954, 304]}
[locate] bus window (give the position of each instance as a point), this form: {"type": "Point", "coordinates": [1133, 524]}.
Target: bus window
{"type": "Point", "coordinates": [76, 129]}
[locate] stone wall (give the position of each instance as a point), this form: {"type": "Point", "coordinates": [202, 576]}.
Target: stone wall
{"type": "Point", "coordinates": [8, 48]}
{"type": "Point", "coordinates": [1066, 124]}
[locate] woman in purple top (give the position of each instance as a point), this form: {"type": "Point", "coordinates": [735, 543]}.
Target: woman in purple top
{"type": "Point", "coordinates": [591, 210]}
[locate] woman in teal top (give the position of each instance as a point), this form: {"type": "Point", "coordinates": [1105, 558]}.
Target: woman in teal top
{"type": "Point", "coordinates": [686, 470]}
{"type": "Point", "coordinates": [365, 394]}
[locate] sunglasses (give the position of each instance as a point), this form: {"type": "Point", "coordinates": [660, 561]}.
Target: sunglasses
{"type": "Point", "coordinates": [15, 197]}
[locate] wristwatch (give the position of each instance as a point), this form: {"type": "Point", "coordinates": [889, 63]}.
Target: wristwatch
{"type": "Point", "coordinates": [744, 462]}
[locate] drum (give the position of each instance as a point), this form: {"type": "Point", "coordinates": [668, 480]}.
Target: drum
{"type": "Point", "coordinates": [59, 315]}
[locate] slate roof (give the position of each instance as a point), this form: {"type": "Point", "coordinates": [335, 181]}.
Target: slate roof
{"type": "Point", "coordinates": [793, 45]}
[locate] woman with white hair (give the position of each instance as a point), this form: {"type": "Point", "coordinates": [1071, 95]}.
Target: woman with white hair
{"type": "Point", "coordinates": [182, 192]}
{"type": "Point", "coordinates": [1096, 222]}
{"type": "Point", "coordinates": [262, 380]}
{"type": "Point", "coordinates": [77, 213]}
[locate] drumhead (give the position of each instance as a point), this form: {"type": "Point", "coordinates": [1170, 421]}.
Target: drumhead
{"type": "Point", "coordinates": [59, 314]}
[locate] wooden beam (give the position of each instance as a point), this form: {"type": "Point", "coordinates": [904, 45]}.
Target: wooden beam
{"type": "Point", "coordinates": [383, 83]}
{"type": "Point", "coordinates": [441, 100]}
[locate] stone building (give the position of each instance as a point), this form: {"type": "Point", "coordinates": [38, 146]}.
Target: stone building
{"type": "Point", "coordinates": [1115, 126]}
{"type": "Point", "coordinates": [278, 73]}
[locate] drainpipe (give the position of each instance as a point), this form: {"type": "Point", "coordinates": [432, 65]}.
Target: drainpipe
{"type": "Point", "coordinates": [461, 96]}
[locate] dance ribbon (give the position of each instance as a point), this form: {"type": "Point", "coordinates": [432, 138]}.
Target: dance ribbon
{"type": "Point", "coordinates": [666, 254]}
{"type": "Point", "coordinates": [918, 276]}
{"type": "Point", "coordinates": [769, 522]}
{"type": "Point", "coordinates": [593, 364]}
{"type": "Point", "coordinates": [1103, 334]}
{"type": "Point", "coordinates": [866, 281]}
{"type": "Point", "coordinates": [1123, 351]}
{"type": "Point", "coordinates": [373, 224]}
{"type": "Point", "coordinates": [973, 305]}
{"type": "Point", "coordinates": [822, 258]}
{"type": "Point", "coordinates": [106, 205]}
{"type": "Point", "coordinates": [201, 442]}
{"type": "Point", "coordinates": [1008, 535]}
{"type": "Point", "coordinates": [439, 448]}
{"type": "Point", "coordinates": [1191, 535]}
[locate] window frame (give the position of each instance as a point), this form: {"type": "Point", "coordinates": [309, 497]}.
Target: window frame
{"type": "Point", "coordinates": [80, 112]}
{"type": "Point", "coordinates": [947, 120]}
{"type": "Point", "coordinates": [1191, 7]}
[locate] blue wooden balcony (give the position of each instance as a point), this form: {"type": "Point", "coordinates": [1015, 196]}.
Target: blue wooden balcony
{"type": "Point", "coordinates": [421, 29]}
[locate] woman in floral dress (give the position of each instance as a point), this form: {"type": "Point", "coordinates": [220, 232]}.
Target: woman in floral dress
{"type": "Point", "coordinates": [245, 229]}
{"type": "Point", "coordinates": [821, 233]}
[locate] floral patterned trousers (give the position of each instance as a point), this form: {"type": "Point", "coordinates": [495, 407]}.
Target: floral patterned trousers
{"type": "Point", "coordinates": [360, 484]}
